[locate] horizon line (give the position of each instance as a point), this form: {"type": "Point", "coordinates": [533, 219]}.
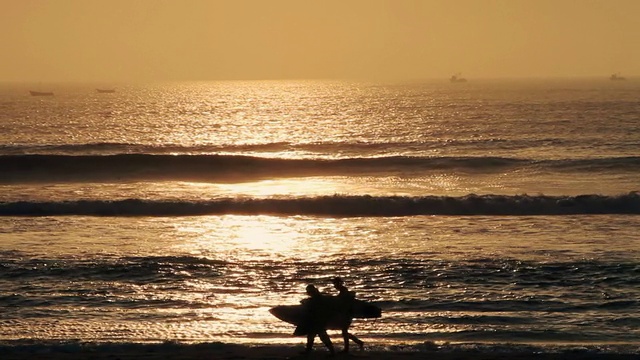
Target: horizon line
{"type": "Point", "coordinates": [379, 80]}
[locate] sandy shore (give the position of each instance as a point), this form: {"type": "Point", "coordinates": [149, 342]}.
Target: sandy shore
{"type": "Point", "coordinates": [273, 352]}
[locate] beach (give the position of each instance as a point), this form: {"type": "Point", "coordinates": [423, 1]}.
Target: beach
{"type": "Point", "coordinates": [224, 351]}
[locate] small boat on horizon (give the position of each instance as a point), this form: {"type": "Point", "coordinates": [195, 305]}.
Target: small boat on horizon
{"type": "Point", "coordinates": [40, 93]}
{"type": "Point", "coordinates": [457, 79]}
{"type": "Point", "coordinates": [106, 91]}
{"type": "Point", "coordinates": [616, 77]}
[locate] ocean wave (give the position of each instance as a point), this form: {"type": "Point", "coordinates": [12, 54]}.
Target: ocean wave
{"type": "Point", "coordinates": [398, 273]}
{"type": "Point", "coordinates": [324, 147]}
{"type": "Point", "coordinates": [510, 306]}
{"type": "Point", "coordinates": [115, 148]}
{"type": "Point", "coordinates": [131, 269]}
{"type": "Point", "coordinates": [338, 206]}
{"type": "Point", "coordinates": [47, 168]}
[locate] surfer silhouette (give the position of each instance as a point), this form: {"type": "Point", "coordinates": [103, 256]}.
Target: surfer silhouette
{"type": "Point", "coordinates": [318, 311]}
{"type": "Point", "coordinates": [346, 300]}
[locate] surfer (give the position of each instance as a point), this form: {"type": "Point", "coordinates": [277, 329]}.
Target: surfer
{"type": "Point", "coordinates": [318, 311]}
{"type": "Point", "coordinates": [346, 299]}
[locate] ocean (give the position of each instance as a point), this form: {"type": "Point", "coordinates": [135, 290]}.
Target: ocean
{"type": "Point", "coordinates": [490, 212]}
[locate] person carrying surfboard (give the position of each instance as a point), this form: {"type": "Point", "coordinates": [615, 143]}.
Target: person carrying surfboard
{"type": "Point", "coordinates": [318, 312]}
{"type": "Point", "coordinates": [346, 300]}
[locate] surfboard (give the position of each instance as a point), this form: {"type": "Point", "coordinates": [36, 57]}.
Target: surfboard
{"type": "Point", "coordinates": [295, 314]}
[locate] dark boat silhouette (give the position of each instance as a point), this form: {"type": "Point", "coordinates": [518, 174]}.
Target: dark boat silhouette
{"type": "Point", "coordinates": [457, 79]}
{"type": "Point", "coordinates": [40, 93]}
{"type": "Point", "coordinates": [616, 77]}
{"type": "Point", "coordinates": [106, 91]}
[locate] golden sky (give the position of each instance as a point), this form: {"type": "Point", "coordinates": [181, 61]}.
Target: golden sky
{"type": "Point", "coordinates": [141, 40]}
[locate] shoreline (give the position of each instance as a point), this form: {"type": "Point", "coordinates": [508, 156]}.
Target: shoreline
{"type": "Point", "coordinates": [229, 351]}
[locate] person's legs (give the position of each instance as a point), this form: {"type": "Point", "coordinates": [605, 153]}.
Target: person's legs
{"type": "Point", "coordinates": [322, 334]}
{"type": "Point", "coordinates": [345, 337]}
{"type": "Point", "coordinates": [357, 341]}
{"type": "Point", "coordinates": [310, 338]}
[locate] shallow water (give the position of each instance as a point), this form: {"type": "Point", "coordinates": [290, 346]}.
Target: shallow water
{"type": "Point", "coordinates": [567, 279]}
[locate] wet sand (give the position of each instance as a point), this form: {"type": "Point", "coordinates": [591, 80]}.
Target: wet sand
{"type": "Point", "coordinates": [273, 352]}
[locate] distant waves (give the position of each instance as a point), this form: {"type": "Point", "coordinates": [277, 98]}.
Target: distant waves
{"type": "Point", "coordinates": [230, 168]}
{"type": "Point", "coordinates": [340, 206]}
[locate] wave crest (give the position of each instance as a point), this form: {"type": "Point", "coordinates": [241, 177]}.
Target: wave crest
{"type": "Point", "coordinates": [49, 168]}
{"type": "Point", "coordinates": [338, 205]}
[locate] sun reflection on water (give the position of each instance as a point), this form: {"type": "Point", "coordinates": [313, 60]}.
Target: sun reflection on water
{"type": "Point", "coordinates": [258, 238]}
{"type": "Point", "coordinates": [241, 236]}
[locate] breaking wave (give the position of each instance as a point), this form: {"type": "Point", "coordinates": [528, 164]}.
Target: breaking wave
{"type": "Point", "coordinates": [338, 205]}
{"type": "Point", "coordinates": [241, 168]}
{"type": "Point", "coordinates": [326, 147]}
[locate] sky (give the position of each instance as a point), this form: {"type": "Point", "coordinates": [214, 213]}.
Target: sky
{"type": "Point", "coordinates": [173, 40]}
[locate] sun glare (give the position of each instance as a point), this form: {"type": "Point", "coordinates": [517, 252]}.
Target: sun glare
{"type": "Point", "coordinates": [237, 237]}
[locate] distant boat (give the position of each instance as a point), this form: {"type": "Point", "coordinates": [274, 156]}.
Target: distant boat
{"type": "Point", "coordinates": [40, 93]}
{"type": "Point", "coordinates": [457, 79]}
{"type": "Point", "coordinates": [616, 77]}
{"type": "Point", "coordinates": [105, 91]}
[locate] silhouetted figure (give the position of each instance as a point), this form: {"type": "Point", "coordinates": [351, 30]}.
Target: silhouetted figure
{"type": "Point", "coordinates": [346, 299]}
{"type": "Point", "coordinates": [319, 310]}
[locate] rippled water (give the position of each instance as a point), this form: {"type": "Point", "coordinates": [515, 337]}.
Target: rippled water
{"type": "Point", "coordinates": [211, 278]}
{"type": "Point", "coordinates": [498, 211]}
